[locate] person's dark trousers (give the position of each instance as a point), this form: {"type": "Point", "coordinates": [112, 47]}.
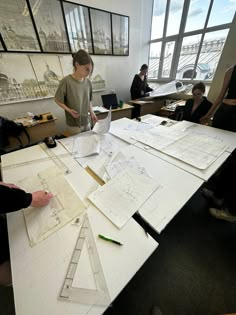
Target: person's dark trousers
{"type": "Point", "coordinates": [224, 179]}
{"type": "Point", "coordinates": [4, 245]}
{"type": "Point", "coordinates": [225, 117]}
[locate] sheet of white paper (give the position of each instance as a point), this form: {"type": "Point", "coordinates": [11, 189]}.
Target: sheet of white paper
{"type": "Point", "coordinates": [115, 168]}
{"type": "Point", "coordinates": [139, 127]}
{"type": "Point", "coordinates": [103, 125]}
{"type": "Point", "coordinates": [86, 146]}
{"type": "Point", "coordinates": [63, 207]}
{"type": "Point", "coordinates": [160, 137]}
{"type": "Point", "coordinates": [100, 109]}
{"type": "Point", "coordinates": [122, 196]}
{"type": "Point", "coordinates": [165, 89]}
{"type": "Point", "coordinates": [197, 149]}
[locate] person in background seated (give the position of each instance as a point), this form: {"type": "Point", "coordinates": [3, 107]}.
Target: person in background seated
{"type": "Point", "coordinates": [139, 87]}
{"type": "Point", "coordinates": [225, 116]}
{"type": "Point", "coordinates": [12, 199]}
{"type": "Point", "coordinates": [74, 94]}
{"type": "Point", "coordinates": [196, 107]}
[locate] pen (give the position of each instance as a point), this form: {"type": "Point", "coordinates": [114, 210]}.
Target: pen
{"type": "Point", "coordinates": [109, 240]}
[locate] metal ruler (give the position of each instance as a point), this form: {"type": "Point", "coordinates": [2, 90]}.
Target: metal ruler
{"type": "Point", "coordinates": [50, 156]}
{"type": "Point", "coordinates": [98, 296]}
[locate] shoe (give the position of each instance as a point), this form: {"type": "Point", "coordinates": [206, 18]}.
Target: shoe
{"type": "Point", "coordinates": [209, 194]}
{"type": "Point", "coordinates": [156, 310]}
{"type": "Point", "coordinates": [222, 214]}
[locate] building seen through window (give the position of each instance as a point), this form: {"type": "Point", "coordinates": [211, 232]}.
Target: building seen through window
{"type": "Point", "coordinates": [188, 37]}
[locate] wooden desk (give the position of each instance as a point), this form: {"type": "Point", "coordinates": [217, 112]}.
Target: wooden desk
{"type": "Point", "coordinates": [144, 107]}
{"type": "Point", "coordinates": [125, 111]}
{"type": "Point", "coordinates": [37, 130]}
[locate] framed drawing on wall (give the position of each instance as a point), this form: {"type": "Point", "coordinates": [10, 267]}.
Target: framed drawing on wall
{"type": "Point", "coordinates": [18, 84]}
{"type": "Point", "coordinates": [1, 47]}
{"type": "Point", "coordinates": [78, 27]}
{"type": "Point", "coordinates": [101, 31]}
{"type": "Point", "coordinates": [16, 26]}
{"type": "Point", "coordinates": [120, 34]}
{"type": "Point", "coordinates": [50, 25]}
{"type": "Point", "coordinates": [48, 72]}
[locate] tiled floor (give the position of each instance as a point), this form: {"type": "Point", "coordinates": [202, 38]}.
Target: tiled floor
{"type": "Point", "coordinates": [193, 271]}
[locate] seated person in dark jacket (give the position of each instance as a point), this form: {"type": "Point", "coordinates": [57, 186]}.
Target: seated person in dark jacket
{"type": "Point", "coordinates": [139, 85]}
{"type": "Point", "coordinates": [196, 107]}
{"type": "Point", "coordinates": [12, 199]}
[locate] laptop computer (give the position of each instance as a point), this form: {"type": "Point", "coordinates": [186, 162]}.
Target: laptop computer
{"type": "Point", "coordinates": [110, 100]}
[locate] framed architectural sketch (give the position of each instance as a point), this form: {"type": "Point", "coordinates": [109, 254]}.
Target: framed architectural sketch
{"type": "Point", "coordinates": [78, 27]}
{"type": "Point", "coordinates": [50, 25]}
{"type": "Point", "coordinates": [120, 35]}
{"type": "Point", "coordinates": [16, 26]}
{"type": "Point", "coordinates": [17, 84]}
{"type": "Point", "coordinates": [1, 47]}
{"type": "Point", "coordinates": [48, 72]}
{"type": "Point", "coordinates": [101, 31]}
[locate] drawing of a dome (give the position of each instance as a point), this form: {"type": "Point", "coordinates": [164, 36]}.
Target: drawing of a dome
{"type": "Point", "coordinates": [49, 75]}
{"type": "Point", "coordinates": [4, 81]}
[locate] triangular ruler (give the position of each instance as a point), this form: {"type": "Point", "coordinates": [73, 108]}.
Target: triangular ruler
{"type": "Point", "coordinates": [97, 296]}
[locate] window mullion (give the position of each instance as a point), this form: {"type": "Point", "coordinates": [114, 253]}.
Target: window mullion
{"type": "Point", "coordinates": [178, 45]}
{"type": "Point", "coordinates": [202, 38]}
{"type": "Point", "coordinates": [164, 41]}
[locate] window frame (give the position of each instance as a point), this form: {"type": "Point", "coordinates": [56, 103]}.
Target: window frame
{"type": "Point", "coordinates": [178, 38]}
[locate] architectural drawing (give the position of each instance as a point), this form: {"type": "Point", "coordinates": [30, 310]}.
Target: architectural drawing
{"type": "Point", "coordinates": [50, 25]}
{"type": "Point", "coordinates": [63, 207]}
{"type": "Point", "coordinates": [122, 196]}
{"type": "Point", "coordinates": [16, 26]}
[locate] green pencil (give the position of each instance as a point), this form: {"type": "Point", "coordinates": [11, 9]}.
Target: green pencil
{"type": "Point", "coordinates": [109, 240]}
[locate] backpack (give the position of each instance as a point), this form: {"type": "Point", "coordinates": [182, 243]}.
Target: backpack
{"type": "Point", "coordinates": [13, 129]}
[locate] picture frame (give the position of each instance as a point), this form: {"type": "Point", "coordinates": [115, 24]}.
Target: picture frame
{"type": "Point", "coordinates": [50, 26]}
{"type": "Point", "coordinates": [16, 27]}
{"type": "Point", "coordinates": [20, 85]}
{"type": "Point", "coordinates": [101, 31]}
{"type": "Point", "coordinates": [120, 35]}
{"type": "Point", "coordinates": [1, 47]}
{"type": "Point", "coordinates": [78, 27]}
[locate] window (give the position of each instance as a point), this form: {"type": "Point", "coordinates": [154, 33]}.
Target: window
{"type": "Point", "coordinates": [188, 37]}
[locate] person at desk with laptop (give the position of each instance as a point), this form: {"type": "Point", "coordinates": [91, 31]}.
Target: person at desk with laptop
{"type": "Point", "coordinates": [139, 87]}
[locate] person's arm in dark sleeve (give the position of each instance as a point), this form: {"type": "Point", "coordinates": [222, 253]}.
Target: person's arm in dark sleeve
{"type": "Point", "coordinates": [13, 199]}
{"type": "Point", "coordinates": [147, 87]}
{"type": "Point", "coordinates": [136, 88]}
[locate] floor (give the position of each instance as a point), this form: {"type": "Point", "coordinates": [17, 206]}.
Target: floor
{"type": "Point", "coordinates": [192, 272]}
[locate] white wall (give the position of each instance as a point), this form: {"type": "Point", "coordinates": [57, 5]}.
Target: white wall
{"type": "Point", "coordinates": [119, 71]}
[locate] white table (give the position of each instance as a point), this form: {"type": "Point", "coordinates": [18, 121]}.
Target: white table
{"type": "Point", "coordinates": [176, 188]}
{"type": "Point", "coordinates": [38, 272]}
{"type": "Point", "coordinates": [228, 137]}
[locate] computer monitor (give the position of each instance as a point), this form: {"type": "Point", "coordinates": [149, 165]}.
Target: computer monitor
{"type": "Point", "coordinates": [110, 100]}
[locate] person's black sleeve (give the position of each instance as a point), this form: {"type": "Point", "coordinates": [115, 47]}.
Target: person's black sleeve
{"type": "Point", "coordinates": [13, 199]}
{"type": "Point", "coordinates": [136, 88]}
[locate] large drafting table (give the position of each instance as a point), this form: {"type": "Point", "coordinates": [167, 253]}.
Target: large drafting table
{"type": "Point", "coordinates": [38, 272]}
{"type": "Point", "coordinates": [227, 137]}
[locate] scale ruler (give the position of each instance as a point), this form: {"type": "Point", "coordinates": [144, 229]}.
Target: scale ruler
{"type": "Point", "coordinates": [98, 296]}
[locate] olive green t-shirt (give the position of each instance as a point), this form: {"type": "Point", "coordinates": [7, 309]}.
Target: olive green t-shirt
{"type": "Point", "coordinates": [76, 95]}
